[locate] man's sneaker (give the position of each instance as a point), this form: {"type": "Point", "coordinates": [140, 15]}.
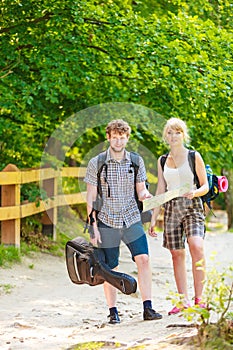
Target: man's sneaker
{"type": "Point", "coordinates": [114, 318]}
{"type": "Point", "coordinates": [150, 314]}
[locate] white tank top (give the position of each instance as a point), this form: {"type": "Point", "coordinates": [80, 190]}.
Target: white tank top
{"type": "Point", "coordinates": [176, 177]}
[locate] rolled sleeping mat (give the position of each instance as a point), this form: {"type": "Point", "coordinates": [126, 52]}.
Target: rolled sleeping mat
{"type": "Point", "coordinates": [222, 183]}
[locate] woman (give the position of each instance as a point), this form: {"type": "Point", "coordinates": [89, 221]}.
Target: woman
{"type": "Point", "coordinates": [183, 216]}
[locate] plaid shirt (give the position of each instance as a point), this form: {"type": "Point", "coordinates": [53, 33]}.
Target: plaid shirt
{"type": "Point", "coordinates": [119, 204]}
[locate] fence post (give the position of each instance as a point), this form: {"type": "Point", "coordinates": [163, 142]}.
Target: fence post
{"type": "Point", "coordinates": [49, 218]}
{"type": "Point", "coordinates": [55, 152]}
{"type": "Point", "coordinates": [10, 196]}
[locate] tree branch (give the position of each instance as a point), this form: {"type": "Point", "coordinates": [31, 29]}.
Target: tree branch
{"type": "Point", "coordinates": [47, 16]}
{"type": "Point", "coordinates": [228, 304]}
{"type": "Point", "coordinates": [94, 21]}
{"type": "Point", "coordinates": [120, 76]}
{"type": "Point", "coordinates": [105, 51]}
{"type": "Point", "coordinates": [6, 74]}
{"type": "Point", "coordinates": [27, 46]}
{"type": "Point", "coordinates": [96, 47]}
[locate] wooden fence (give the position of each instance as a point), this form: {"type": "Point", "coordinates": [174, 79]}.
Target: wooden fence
{"type": "Point", "coordinates": [12, 211]}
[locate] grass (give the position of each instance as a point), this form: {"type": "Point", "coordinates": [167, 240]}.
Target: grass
{"type": "Point", "coordinates": [5, 288]}
{"type": "Point", "coordinates": [32, 240]}
{"type": "Point", "coordinates": [9, 255]}
{"type": "Point", "coordinates": [96, 345]}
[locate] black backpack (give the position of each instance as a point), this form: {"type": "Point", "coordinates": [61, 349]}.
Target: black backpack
{"type": "Point", "coordinates": [86, 265]}
{"type": "Point", "coordinates": [145, 216]}
{"type": "Point", "coordinates": [212, 179]}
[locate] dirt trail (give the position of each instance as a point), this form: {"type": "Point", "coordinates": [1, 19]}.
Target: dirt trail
{"type": "Point", "coordinates": [44, 310]}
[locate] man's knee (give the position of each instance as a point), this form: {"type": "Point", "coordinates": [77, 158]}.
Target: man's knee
{"type": "Point", "coordinates": [142, 259]}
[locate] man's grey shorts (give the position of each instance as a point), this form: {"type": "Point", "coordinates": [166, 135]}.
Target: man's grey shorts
{"type": "Point", "coordinates": [183, 218]}
{"type": "Point", "coordinates": [134, 237]}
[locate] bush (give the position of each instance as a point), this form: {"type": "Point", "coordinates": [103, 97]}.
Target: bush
{"type": "Point", "coordinates": [215, 322]}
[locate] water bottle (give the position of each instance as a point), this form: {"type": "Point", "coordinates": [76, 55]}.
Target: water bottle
{"type": "Point", "coordinates": [209, 173]}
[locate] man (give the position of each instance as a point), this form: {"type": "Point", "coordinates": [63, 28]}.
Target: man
{"type": "Point", "coordinates": [119, 218]}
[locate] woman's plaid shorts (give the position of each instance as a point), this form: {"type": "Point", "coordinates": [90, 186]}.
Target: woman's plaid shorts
{"type": "Point", "coordinates": [183, 218]}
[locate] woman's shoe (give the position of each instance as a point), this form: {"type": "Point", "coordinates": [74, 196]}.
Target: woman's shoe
{"type": "Point", "coordinates": [176, 310]}
{"type": "Point", "coordinates": [197, 301]}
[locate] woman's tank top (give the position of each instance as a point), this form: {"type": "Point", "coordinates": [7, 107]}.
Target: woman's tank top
{"type": "Point", "coordinates": [176, 177]}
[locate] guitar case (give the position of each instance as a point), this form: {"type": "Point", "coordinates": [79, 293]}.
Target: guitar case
{"type": "Point", "coordinates": [86, 265]}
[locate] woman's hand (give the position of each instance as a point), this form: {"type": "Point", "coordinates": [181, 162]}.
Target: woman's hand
{"type": "Point", "coordinates": [189, 195]}
{"type": "Point", "coordinates": [151, 229]}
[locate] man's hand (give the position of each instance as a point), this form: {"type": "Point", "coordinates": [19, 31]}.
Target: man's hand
{"type": "Point", "coordinates": [95, 238]}
{"type": "Point", "coordinates": [144, 195]}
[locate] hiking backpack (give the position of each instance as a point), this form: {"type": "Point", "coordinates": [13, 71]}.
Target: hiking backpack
{"type": "Point", "coordinates": [101, 164]}
{"type": "Point", "coordinates": [212, 178]}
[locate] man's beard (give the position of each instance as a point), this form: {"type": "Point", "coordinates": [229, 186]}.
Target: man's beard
{"type": "Point", "coordinates": [118, 150]}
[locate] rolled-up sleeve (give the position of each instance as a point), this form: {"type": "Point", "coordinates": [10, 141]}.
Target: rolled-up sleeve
{"type": "Point", "coordinates": [91, 173]}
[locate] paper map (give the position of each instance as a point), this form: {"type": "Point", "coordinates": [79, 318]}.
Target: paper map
{"type": "Point", "coordinates": [160, 199]}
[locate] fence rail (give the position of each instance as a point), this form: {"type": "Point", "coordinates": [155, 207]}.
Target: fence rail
{"type": "Point", "coordinates": [12, 211]}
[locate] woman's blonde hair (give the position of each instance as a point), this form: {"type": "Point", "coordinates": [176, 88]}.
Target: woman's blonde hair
{"type": "Point", "coordinates": [176, 124]}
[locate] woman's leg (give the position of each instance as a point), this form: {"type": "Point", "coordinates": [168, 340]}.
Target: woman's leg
{"type": "Point", "coordinates": [196, 247]}
{"type": "Point", "coordinates": [179, 267]}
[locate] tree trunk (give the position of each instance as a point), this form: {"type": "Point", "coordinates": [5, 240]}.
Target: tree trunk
{"type": "Point", "coordinates": [228, 195]}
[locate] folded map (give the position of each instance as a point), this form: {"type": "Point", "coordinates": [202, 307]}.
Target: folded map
{"type": "Point", "coordinates": [160, 199]}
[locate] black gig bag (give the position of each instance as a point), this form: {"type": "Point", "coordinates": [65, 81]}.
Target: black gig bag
{"type": "Point", "coordinates": [86, 265]}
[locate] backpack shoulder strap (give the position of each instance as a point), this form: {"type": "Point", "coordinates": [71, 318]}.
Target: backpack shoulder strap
{"type": "Point", "coordinates": [101, 162]}
{"type": "Point", "coordinates": [135, 164]}
{"type": "Point", "coordinates": [134, 159]}
{"type": "Point", "coordinates": [192, 164]}
{"type": "Point", "coordinates": [163, 160]}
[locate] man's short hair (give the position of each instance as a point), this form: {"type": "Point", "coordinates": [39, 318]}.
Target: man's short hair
{"type": "Point", "coordinates": [119, 126]}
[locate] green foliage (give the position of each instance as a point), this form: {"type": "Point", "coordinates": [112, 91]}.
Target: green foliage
{"type": "Point", "coordinates": [61, 57]}
{"type": "Point", "coordinates": [5, 288]}
{"type": "Point", "coordinates": [219, 293]}
{"type": "Point", "coordinates": [33, 241]}
{"type": "Point", "coordinates": [33, 193]}
{"type": "Point", "coordinates": [96, 345]}
{"type": "Point", "coordinates": [215, 322]}
{"type": "Point", "coordinates": [88, 345]}
{"type": "Point", "coordinates": [9, 255]}
{"type": "Point", "coordinates": [31, 224]}
{"type": "Point", "coordinates": [32, 238]}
